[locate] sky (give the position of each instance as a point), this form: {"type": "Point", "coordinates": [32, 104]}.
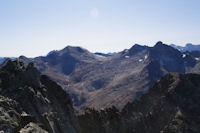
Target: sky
{"type": "Point", "coordinates": [35, 27]}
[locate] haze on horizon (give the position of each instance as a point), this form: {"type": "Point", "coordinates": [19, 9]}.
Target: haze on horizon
{"type": "Point", "coordinates": [35, 27]}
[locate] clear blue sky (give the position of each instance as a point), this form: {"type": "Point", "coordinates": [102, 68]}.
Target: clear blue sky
{"type": "Point", "coordinates": [35, 27]}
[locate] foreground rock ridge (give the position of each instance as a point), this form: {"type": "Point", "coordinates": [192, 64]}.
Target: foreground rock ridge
{"type": "Point", "coordinates": [30, 102]}
{"type": "Point", "coordinates": [172, 105]}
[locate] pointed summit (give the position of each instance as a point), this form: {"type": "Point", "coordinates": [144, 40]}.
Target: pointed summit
{"type": "Point", "coordinates": [159, 43]}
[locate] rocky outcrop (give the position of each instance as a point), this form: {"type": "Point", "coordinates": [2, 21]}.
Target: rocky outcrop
{"type": "Point", "coordinates": [9, 115]}
{"type": "Point", "coordinates": [103, 121]}
{"type": "Point", "coordinates": [32, 128]}
{"type": "Point", "coordinates": [30, 100]}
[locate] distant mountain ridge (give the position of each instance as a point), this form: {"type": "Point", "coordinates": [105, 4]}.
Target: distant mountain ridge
{"type": "Point", "coordinates": [188, 47]}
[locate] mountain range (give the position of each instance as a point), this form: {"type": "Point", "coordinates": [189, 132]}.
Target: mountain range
{"type": "Point", "coordinates": [188, 47]}
{"type": "Point", "coordinates": [98, 81]}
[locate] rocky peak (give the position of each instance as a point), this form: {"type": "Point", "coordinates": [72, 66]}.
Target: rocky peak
{"type": "Point", "coordinates": [189, 45]}
{"type": "Point", "coordinates": [14, 65]}
{"type": "Point", "coordinates": [161, 46]}
{"type": "Point", "coordinates": [167, 57]}
{"type": "Point", "coordinates": [159, 43]}
{"type": "Point", "coordinates": [136, 49]}
{"type": "Point", "coordinates": [73, 50]}
{"type": "Point", "coordinates": [15, 74]}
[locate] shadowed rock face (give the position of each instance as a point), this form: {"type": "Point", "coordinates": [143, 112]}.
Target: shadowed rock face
{"type": "Point", "coordinates": [65, 61]}
{"type": "Point", "coordinates": [170, 59]}
{"type": "Point", "coordinates": [29, 100]}
{"type": "Point", "coordinates": [172, 105]}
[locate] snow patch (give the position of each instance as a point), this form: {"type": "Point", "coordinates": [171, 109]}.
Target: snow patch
{"type": "Point", "coordinates": [184, 55]}
{"type": "Point", "coordinates": [126, 50]}
{"type": "Point", "coordinates": [145, 57]}
{"type": "Point", "coordinates": [100, 56]}
{"type": "Point", "coordinates": [24, 114]}
{"type": "Point", "coordinates": [140, 60]}
{"type": "Point", "coordinates": [127, 57]}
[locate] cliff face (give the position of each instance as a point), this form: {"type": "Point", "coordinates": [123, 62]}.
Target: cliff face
{"type": "Point", "coordinates": [32, 102]}
{"type": "Point", "coordinates": [172, 105]}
